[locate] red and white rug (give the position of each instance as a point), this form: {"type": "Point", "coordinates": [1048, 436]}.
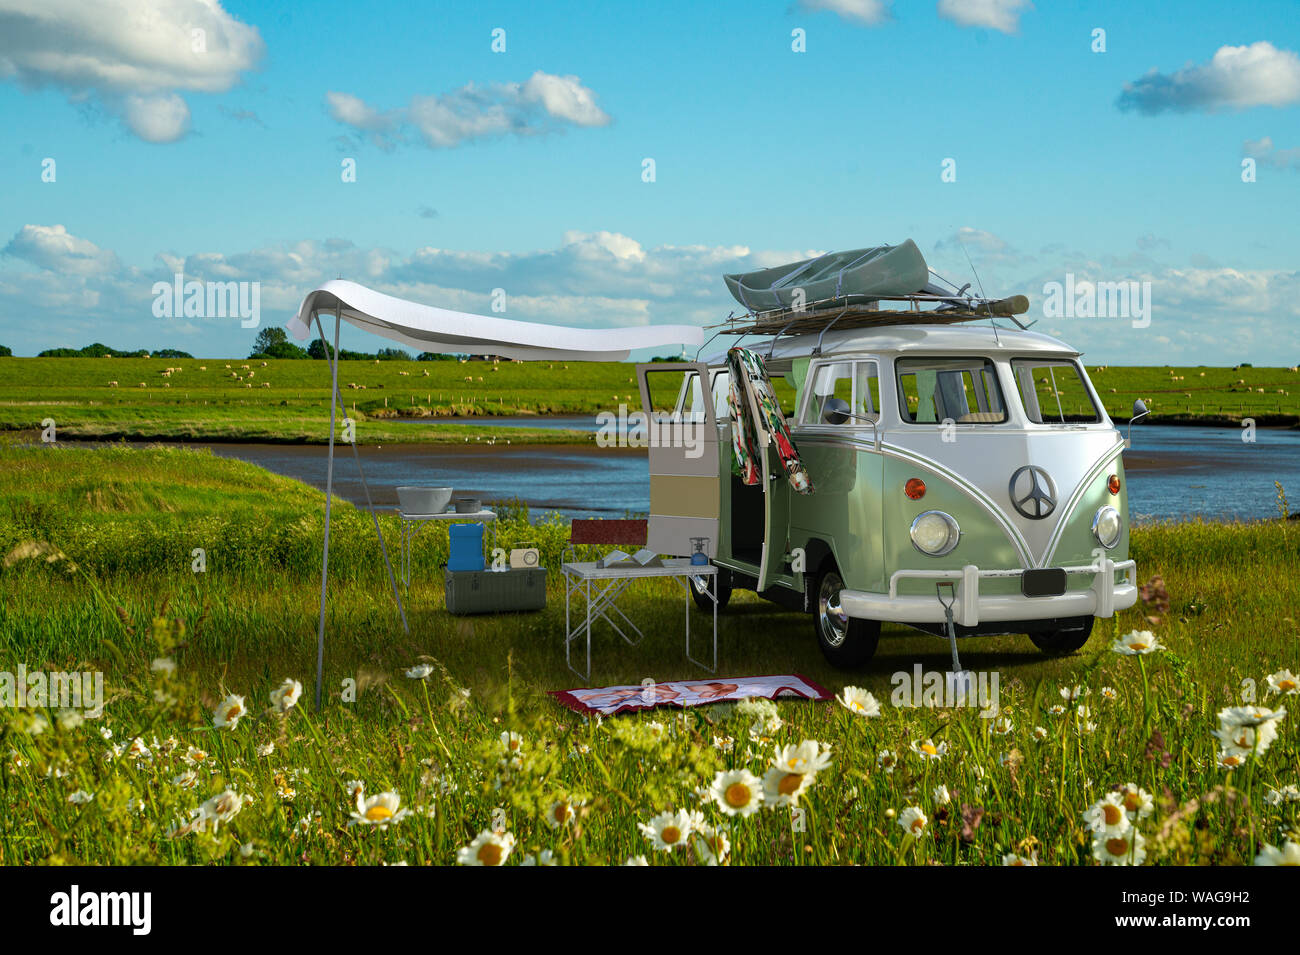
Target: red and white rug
{"type": "Point", "coordinates": [608, 700]}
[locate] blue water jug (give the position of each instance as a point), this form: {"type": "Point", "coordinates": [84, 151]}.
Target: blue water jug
{"type": "Point", "coordinates": [466, 547]}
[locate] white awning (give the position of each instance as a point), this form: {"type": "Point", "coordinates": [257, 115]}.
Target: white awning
{"type": "Point", "coordinates": [432, 329]}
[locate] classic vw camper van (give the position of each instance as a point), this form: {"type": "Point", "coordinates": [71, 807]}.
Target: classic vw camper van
{"type": "Point", "coordinates": [965, 480]}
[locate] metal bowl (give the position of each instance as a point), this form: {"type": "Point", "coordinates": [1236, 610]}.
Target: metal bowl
{"type": "Point", "coordinates": [468, 505]}
{"type": "Point", "coordinates": [423, 500]}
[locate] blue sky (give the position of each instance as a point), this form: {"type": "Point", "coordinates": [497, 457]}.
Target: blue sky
{"type": "Point", "coordinates": [523, 170]}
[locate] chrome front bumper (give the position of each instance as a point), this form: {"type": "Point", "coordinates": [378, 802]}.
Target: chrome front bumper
{"type": "Point", "coordinates": [971, 607]}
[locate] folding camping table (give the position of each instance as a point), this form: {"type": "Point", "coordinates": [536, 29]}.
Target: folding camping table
{"type": "Point", "coordinates": [610, 583]}
{"type": "Point", "coordinates": [411, 526]}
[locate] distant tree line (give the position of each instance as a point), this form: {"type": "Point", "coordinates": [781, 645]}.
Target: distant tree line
{"type": "Point", "coordinates": [274, 343]}
{"type": "Point", "coordinates": [270, 343]}
{"type": "Point", "coordinates": [99, 350]}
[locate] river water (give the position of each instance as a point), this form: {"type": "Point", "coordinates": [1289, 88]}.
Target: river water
{"type": "Point", "coordinates": [1173, 472]}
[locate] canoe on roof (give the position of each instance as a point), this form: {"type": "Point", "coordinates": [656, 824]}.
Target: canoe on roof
{"type": "Point", "coordinates": [858, 275]}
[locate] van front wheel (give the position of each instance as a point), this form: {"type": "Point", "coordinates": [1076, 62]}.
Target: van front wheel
{"type": "Point", "coordinates": [845, 641]}
{"type": "Point", "coordinates": [1058, 642]}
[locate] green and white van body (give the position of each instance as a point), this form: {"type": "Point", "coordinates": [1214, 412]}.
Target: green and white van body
{"type": "Point", "coordinates": [1019, 487]}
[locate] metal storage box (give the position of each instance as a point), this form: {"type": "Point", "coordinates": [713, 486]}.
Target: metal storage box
{"type": "Point", "coordinates": [489, 591]}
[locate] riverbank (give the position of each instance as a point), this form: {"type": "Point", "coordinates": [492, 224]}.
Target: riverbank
{"type": "Point", "coordinates": [1175, 473]}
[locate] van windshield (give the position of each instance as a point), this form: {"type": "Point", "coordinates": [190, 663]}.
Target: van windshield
{"type": "Point", "coordinates": [1054, 392]}
{"type": "Point", "coordinates": [962, 390]}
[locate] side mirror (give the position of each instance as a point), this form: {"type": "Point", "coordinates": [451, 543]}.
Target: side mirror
{"type": "Point", "coordinates": [1139, 411]}
{"type": "Point", "coordinates": [835, 411]}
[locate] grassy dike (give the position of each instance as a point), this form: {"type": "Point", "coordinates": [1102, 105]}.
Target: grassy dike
{"type": "Point", "coordinates": [284, 401]}
{"type": "Point", "coordinates": [114, 590]}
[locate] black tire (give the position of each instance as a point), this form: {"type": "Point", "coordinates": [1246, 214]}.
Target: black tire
{"type": "Point", "coordinates": [1059, 642]}
{"type": "Point", "coordinates": [844, 641]}
{"type": "Point", "coordinates": [722, 582]}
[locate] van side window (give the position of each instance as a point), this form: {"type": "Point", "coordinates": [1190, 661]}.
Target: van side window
{"type": "Point", "coordinates": [1054, 392]}
{"type": "Point", "coordinates": [934, 390]}
{"type": "Point", "coordinates": [854, 383]}
{"type": "Point", "coordinates": [866, 390]}
{"type": "Point", "coordinates": [721, 385]}
{"type": "Point", "coordinates": [832, 382]}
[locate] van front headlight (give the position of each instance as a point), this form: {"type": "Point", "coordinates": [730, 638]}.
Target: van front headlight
{"type": "Point", "coordinates": [935, 533]}
{"type": "Point", "coordinates": [1106, 526]}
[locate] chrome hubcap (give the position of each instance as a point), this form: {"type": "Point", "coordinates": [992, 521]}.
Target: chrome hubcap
{"type": "Point", "coordinates": [834, 621]}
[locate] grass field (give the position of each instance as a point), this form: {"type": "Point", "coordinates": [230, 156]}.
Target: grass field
{"type": "Point", "coordinates": [114, 590]}
{"type": "Point", "coordinates": [288, 401]}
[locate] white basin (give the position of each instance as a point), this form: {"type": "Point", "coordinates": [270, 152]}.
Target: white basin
{"type": "Point", "coordinates": [423, 500]}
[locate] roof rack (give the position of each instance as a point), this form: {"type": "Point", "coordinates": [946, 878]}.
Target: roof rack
{"type": "Point", "coordinates": [855, 312]}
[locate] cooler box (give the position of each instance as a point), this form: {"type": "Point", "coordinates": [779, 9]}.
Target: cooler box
{"type": "Point", "coordinates": [466, 551]}
{"type": "Point", "coordinates": [495, 591]}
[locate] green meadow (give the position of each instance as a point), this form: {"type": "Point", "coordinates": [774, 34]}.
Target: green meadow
{"type": "Point", "coordinates": [288, 401]}
{"type": "Point", "coordinates": [98, 575]}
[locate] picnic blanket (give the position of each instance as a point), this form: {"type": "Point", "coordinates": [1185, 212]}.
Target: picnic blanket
{"type": "Point", "coordinates": [608, 700]}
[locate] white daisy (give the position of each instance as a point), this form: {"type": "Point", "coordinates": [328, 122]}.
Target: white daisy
{"type": "Point", "coordinates": [858, 701]}
{"type": "Point", "coordinates": [1284, 681]}
{"type": "Point", "coordinates": [668, 830]}
{"type": "Point", "coordinates": [1248, 729]}
{"type": "Point", "coordinates": [488, 848]}
{"type": "Point", "coordinates": [1137, 802]}
{"type": "Point", "coordinates": [561, 812]}
{"type": "Point", "coordinates": [1289, 854]}
{"type": "Point", "coordinates": [286, 695]}
{"type": "Point", "coordinates": [229, 712]}
{"type": "Point", "coordinates": [1124, 849]}
{"type": "Point", "coordinates": [913, 820]}
{"type": "Point", "coordinates": [927, 749]}
{"type": "Point", "coordinates": [711, 845]}
{"type": "Point", "coordinates": [381, 810]}
{"type": "Point", "coordinates": [1107, 816]}
{"type": "Point", "coordinates": [221, 808]}
{"type": "Point", "coordinates": [1136, 643]}
{"type": "Point", "coordinates": [738, 792]}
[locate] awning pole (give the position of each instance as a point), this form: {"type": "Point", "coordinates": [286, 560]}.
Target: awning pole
{"type": "Point", "coordinates": [370, 505]}
{"type": "Point", "coordinates": [329, 492]}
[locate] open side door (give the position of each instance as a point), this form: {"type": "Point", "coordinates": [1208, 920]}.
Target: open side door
{"type": "Point", "coordinates": [776, 487]}
{"type": "Point", "coordinates": [776, 515]}
{"type": "Point", "coordinates": [683, 452]}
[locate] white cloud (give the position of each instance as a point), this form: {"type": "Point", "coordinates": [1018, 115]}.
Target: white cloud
{"type": "Point", "coordinates": [1001, 15]}
{"type": "Point", "coordinates": [54, 248]}
{"type": "Point", "coordinates": [1236, 77]}
{"type": "Point", "coordinates": [869, 12]}
{"type": "Point", "coordinates": [379, 125]}
{"type": "Point", "coordinates": [78, 292]}
{"type": "Point", "coordinates": [1262, 150]}
{"type": "Point", "coordinates": [543, 103]}
{"type": "Point", "coordinates": [132, 55]}
{"type": "Point", "coordinates": [157, 119]}
{"type": "Point", "coordinates": [972, 238]}
{"type": "Point", "coordinates": [565, 98]}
